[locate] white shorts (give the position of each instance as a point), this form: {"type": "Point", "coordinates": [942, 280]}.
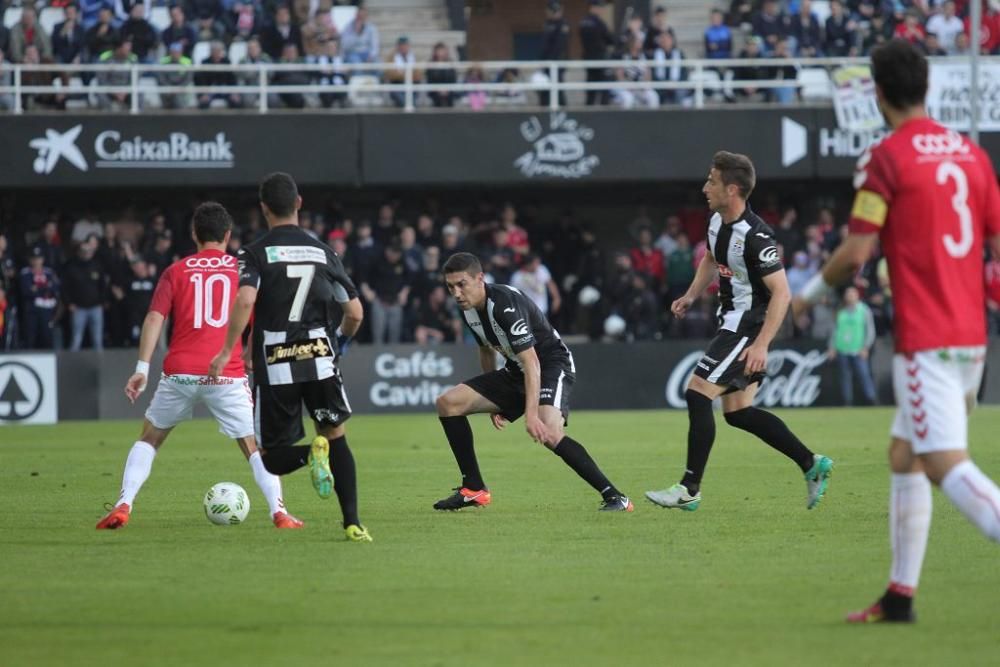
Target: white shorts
{"type": "Point", "coordinates": [228, 399]}
{"type": "Point", "coordinates": [935, 391]}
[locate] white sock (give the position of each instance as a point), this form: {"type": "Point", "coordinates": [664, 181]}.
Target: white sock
{"type": "Point", "coordinates": [270, 485]}
{"type": "Point", "coordinates": [909, 524]}
{"type": "Point", "coordinates": [137, 468]}
{"type": "Point", "coordinates": [976, 496]}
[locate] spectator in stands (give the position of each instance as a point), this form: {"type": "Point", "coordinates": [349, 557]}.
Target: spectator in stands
{"type": "Point", "coordinates": [50, 245]}
{"type": "Point", "coordinates": [86, 226]}
{"type": "Point", "coordinates": [668, 59]}
{"type": "Point", "coordinates": [138, 295]}
{"type": "Point", "coordinates": [534, 279]}
{"type": "Point", "coordinates": [657, 26]}
{"type": "Point", "coordinates": [4, 36]}
{"type": "Point", "coordinates": [114, 76]}
{"type": "Point", "coordinates": [517, 236]}
{"type": "Point", "coordinates": [680, 268]}
{"type": "Point", "coordinates": [770, 24]}
{"type": "Point", "coordinates": [319, 30]}
{"type": "Point", "coordinates": [290, 55]}
{"type": "Point", "coordinates": [931, 46]}
{"type": "Point", "coordinates": [39, 299]}
{"type": "Point", "coordinates": [452, 240]}
{"type": "Point", "coordinates": [666, 242]}
{"type": "Point", "coordinates": [437, 321]}
{"type": "Point", "coordinates": [911, 29]}
{"type": "Point", "coordinates": [123, 9]}
{"type": "Point", "coordinates": [360, 41]}
{"type": "Point", "coordinates": [441, 75]}
{"type": "Point", "coordinates": [208, 28]}
{"type": "Point", "coordinates": [647, 259]}
{"type": "Point", "coordinates": [962, 47]}
{"type": "Point", "coordinates": [597, 42]}
{"type": "Point", "coordinates": [387, 291]}
{"type": "Point", "coordinates": [851, 343]}
{"type": "Point", "coordinates": [68, 37]}
{"type": "Point", "coordinates": [27, 32]}
{"type": "Point", "coordinates": [217, 56]}
{"type": "Point", "coordinates": [989, 35]}
{"type": "Point", "coordinates": [718, 37]}
{"type": "Point", "coordinates": [242, 20]}
{"type": "Point", "coordinates": [640, 310]}
{"type": "Point", "coordinates": [162, 253]}
{"type": "Point", "coordinates": [181, 77]}
{"type": "Point", "coordinates": [333, 74]}
{"type": "Point", "coordinates": [255, 56]}
{"type": "Point", "coordinates": [947, 26]}
{"type": "Point", "coordinates": [365, 251]}
{"type": "Point", "coordinates": [385, 229]}
{"type": "Point", "coordinates": [760, 72]}
{"type": "Point", "coordinates": [555, 46]}
{"type": "Point", "coordinates": [179, 31]}
{"type": "Point", "coordinates": [880, 31]}
{"type": "Point", "coordinates": [636, 71]}
{"type": "Point", "coordinates": [500, 257]}
{"type": "Point", "coordinates": [740, 14]}
{"type": "Point", "coordinates": [402, 59]}
{"type": "Point", "coordinates": [102, 36]}
{"type": "Point", "coordinates": [842, 36]}
{"type": "Point", "coordinates": [6, 79]}
{"type": "Point", "coordinates": [787, 94]}
{"type": "Point", "coordinates": [34, 101]}
{"type": "Point", "coordinates": [85, 289]}
{"type": "Point", "coordinates": [633, 28]}
{"type": "Point", "coordinates": [804, 28]}
{"type": "Point", "coordinates": [800, 272]}
{"type": "Point", "coordinates": [141, 33]}
{"type": "Point", "coordinates": [477, 99]}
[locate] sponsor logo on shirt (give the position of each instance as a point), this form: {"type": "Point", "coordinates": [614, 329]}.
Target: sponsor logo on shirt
{"type": "Point", "coordinates": [294, 253]}
{"type": "Point", "coordinates": [302, 350]}
{"type": "Point", "coordinates": [725, 271]}
{"type": "Point", "coordinates": [223, 262]}
{"type": "Point", "coordinates": [519, 328]}
{"type": "Point", "coordinates": [769, 256]}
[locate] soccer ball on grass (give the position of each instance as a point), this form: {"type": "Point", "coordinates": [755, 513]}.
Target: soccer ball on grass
{"type": "Point", "coordinates": [227, 504]}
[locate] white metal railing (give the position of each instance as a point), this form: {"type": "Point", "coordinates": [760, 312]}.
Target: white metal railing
{"type": "Point", "coordinates": [257, 79]}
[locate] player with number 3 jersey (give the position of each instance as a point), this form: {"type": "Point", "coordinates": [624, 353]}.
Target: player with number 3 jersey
{"type": "Point", "coordinates": [196, 294]}
{"type": "Point", "coordinates": [930, 196]}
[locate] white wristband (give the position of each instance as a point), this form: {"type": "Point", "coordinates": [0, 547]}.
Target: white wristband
{"type": "Point", "coordinates": [815, 289]}
{"type": "Point", "coordinates": [142, 367]}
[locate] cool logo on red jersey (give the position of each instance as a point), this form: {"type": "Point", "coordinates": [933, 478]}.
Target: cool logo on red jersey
{"type": "Point", "coordinates": [940, 144]}
{"type": "Point", "coordinates": [224, 262]}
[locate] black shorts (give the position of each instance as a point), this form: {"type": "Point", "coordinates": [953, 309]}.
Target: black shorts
{"type": "Point", "coordinates": [720, 364]}
{"type": "Point", "coordinates": [278, 409]}
{"type": "Point", "coordinates": [506, 390]}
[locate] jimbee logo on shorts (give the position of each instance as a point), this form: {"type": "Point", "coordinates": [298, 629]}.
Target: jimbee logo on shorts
{"type": "Point", "coordinates": [519, 328]}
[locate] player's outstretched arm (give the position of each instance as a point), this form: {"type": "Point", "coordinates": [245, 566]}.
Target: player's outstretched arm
{"type": "Point", "coordinates": [703, 277]}
{"type": "Point", "coordinates": [239, 317]}
{"type": "Point", "coordinates": [532, 389]}
{"type": "Point", "coordinates": [152, 326]}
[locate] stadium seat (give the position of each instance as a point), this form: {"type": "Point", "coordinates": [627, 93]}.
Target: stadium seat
{"type": "Point", "coordinates": [201, 52]}
{"type": "Point", "coordinates": [342, 16]}
{"type": "Point", "coordinates": [50, 17]}
{"type": "Point", "coordinates": [150, 93]}
{"type": "Point", "coordinates": [814, 84]}
{"type": "Point", "coordinates": [710, 79]}
{"type": "Point", "coordinates": [78, 100]}
{"type": "Point", "coordinates": [237, 52]}
{"type": "Point", "coordinates": [159, 18]}
{"type": "Point", "coordinates": [11, 16]}
{"type": "Point", "coordinates": [359, 94]}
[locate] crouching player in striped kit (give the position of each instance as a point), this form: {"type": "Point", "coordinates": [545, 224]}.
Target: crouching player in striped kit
{"type": "Point", "coordinates": [754, 298]}
{"type": "Point", "coordinates": [535, 382]}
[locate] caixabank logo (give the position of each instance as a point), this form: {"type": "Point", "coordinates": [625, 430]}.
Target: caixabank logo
{"type": "Point", "coordinates": [111, 148]}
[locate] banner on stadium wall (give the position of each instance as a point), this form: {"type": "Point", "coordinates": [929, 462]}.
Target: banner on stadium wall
{"type": "Point", "coordinates": [28, 389]}
{"type": "Point", "coordinates": [948, 96]}
{"type": "Point", "coordinates": [176, 150]}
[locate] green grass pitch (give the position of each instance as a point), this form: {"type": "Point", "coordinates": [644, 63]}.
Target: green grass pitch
{"type": "Point", "coordinates": [538, 578]}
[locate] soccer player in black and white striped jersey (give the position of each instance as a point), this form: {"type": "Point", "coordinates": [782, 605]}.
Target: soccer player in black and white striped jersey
{"type": "Point", "coordinates": [754, 298]}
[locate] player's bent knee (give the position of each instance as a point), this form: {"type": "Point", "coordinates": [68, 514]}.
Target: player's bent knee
{"type": "Point", "coordinates": [738, 418]}
{"type": "Point", "coordinates": [449, 404]}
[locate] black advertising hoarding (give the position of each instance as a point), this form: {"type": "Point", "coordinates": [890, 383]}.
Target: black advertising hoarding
{"type": "Point", "coordinates": [570, 146]}
{"type": "Point", "coordinates": [176, 150]}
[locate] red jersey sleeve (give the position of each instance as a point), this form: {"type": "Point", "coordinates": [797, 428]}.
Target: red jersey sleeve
{"type": "Point", "coordinates": [163, 295]}
{"type": "Point", "coordinates": [873, 181]}
{"type": "Point", "coordinates": [992, 211]}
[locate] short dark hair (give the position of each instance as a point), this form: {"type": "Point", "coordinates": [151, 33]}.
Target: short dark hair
{"type": "Point", "coordinates": [736, 169]}
{"type": "Point", "coordinates": [463, 262]}
{"type": "Point", "coordinates": [211, 221]}
{"type": "Point", "coordinates": [278, 192]}
{"type": "Point", "coordinates": [900, 70]}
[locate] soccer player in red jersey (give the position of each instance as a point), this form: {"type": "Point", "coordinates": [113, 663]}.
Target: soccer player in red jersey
{"type": "Point", "coordinates": [931, 197]}
{"type": "Point", "coordinates": [197, 292]}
